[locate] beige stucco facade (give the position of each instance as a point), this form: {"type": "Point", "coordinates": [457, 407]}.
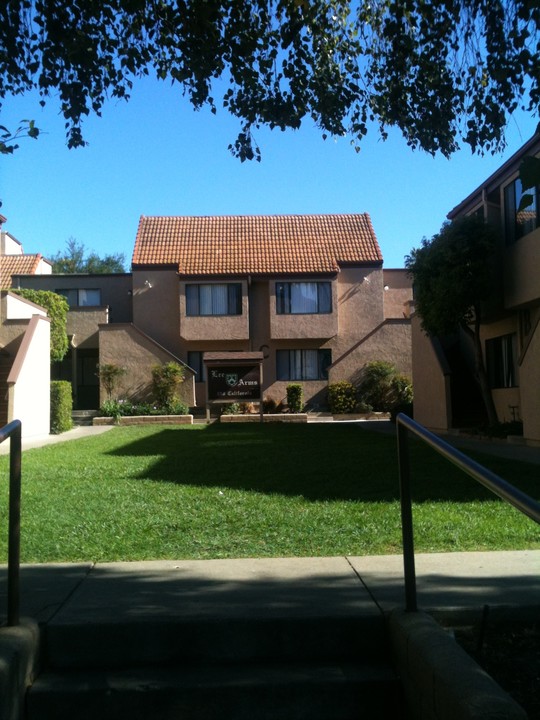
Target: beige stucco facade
{"type": "Point", "coordinates": [143, 317]}
{"type": "Point", "coordinates": [24, 364]}
{"type": "Point", "coordinates": [511, 335]}
{"type": "Point", "coordinates": [362, 326]}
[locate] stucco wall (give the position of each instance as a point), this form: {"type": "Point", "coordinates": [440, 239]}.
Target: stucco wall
{"type": "Point", "coordinates": [530, 381]}
{"type": "Point", "coordinates": [82, 325]}
{"type": "Point", "coordinates": [126, 346]}
{"type": "Point", "coordinates": [300, 327]}
{"type": "Point", "coordinates": [521, 276]}
{"type": "Point", "coordinates": [156, 306]}
{"type": "Point", "coordinates": [431, 384]}
{"type": "Point", "coordinates": [224, 327]}
{"type": "Point", "coordinates": [115, 289]}
{"type": "Point", "coordinates": [29, 380]}
{"type": "Point", "coordinates": [397, 293]}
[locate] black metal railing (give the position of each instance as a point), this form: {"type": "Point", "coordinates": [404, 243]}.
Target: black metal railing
{"type": "Point", "coordinates": [13, 431]}
{"type": "Point", "coordinates": [503, 489]}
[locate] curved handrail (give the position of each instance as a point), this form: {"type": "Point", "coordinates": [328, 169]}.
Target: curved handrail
{"type": "Point", "coordinates": [503, 489]}
{"type": "Point", "coordinates": [13, 430]}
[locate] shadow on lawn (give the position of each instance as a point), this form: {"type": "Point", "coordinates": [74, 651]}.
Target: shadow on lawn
{"type": "Point", "coordinates": [311, 461]}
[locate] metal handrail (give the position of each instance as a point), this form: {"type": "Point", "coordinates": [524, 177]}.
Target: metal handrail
{"type": "Point", "coordinates": [503, 489]}
{"type": "Point", "coordinates": [13, 430]}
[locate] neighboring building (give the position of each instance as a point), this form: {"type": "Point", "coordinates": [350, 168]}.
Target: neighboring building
{"type": "Point", "coordinates": [511, 333]}
{"type": "Point", "coordinates": [309, 292]}
{"type": "Point", "coordinates": [24, 344]}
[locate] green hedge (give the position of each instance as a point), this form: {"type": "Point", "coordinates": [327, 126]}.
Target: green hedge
{"type": "Point", "coordinates": [57, 310]}
{"type": "Point", "coordinates": [61, 406]}
{"type": "Point", "coordinates": [295, 398]}
{"type": "Point", "coordinates": [342, 397]}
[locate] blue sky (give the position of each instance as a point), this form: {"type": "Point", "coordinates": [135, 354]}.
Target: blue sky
{"type": "Point", "coordinates": [155, 156]}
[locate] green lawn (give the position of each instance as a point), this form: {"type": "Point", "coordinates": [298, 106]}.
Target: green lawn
{"type": "Point", "coordinates": [251, 490]}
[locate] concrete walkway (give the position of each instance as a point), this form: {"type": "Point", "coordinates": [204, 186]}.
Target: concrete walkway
{"type": "Point", "coordinates": [109, 592]}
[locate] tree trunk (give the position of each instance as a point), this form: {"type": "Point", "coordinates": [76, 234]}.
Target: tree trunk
{"type": "Point", "coordinates": [481, 374]}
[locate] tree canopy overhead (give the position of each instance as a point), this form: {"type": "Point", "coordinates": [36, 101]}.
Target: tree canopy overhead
{"type": "Point", "coordinates": [441, 71]}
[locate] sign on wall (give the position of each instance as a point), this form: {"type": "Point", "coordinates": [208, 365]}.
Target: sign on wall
{"type": "Point", "coordinates": [235, 383]}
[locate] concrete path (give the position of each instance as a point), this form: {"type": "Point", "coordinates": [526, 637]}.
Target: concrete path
{"type": "Point", "coordinates": [446, 582]}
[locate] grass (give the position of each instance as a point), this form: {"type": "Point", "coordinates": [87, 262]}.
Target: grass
{"type": "Point", "coordinates": [219, 491]}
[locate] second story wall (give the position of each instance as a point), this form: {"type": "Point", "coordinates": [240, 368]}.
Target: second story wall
{"type": "Point", "coordinates": [84, 291]}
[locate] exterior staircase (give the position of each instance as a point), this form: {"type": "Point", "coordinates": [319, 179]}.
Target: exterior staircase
{"type": "Point", "coordinates": [285, 658]}
{"type": "Point", "coordinates": [83, 417]}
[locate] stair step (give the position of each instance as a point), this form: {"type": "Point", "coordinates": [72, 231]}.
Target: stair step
{"type": "Point", "coordinates": [270, 691]}
{"type": "Point", "coordinates": [219, 639]}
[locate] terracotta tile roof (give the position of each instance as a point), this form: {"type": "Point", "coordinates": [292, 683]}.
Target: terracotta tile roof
{"type": "Point", "coordinates": [17, 265]}
{"type": "Point", "coordinates": [258, 245]}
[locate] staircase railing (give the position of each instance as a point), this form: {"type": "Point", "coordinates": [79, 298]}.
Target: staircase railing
{"type": "Point", "coordinates": [13, 431]}
{"type": "Point", "coordinates": [503, 489]}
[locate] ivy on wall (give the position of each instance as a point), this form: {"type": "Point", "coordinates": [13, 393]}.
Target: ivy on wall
{"type": "Point", "coordinates": [57, 310]}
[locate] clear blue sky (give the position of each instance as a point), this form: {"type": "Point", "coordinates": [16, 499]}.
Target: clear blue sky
{"type": "Point", "coordinates": [155, 156]}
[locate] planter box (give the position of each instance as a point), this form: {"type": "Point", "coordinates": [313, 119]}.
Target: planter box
{"type": "Point", "coordinates": [145, 420]}
{"type": "Point", "coordinates": [267, 417]}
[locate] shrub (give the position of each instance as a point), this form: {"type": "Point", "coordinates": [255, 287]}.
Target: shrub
{"type": "Point", "coordinates": [231, 409]}
{"type": "Point", "coordinates": [165, 380]}
{"type": "Point", "coordinates": [383, 389]}
{"type": "Point", "coordinates": [295, 397]}
{"type": "Point", "coordinates": [109, 376]}
{"type": "Point", "coordinates": [122, 408]}
{"type": "Point", "coordinates": [342, 397]}
{"type": "Point", "coordinates": [247, 408]}
{"type": "Point", "coordinates": [375, 387]}
{"type": "Point", "coordinates": [269, 405]}
{"type": "Point", "coordinates": [61, 406]}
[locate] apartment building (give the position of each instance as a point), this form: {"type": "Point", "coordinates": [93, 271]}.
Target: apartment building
{"type": "Point", "coordinates": [511, 334]}
{"type": "Point", "coordinates": [308, 291]}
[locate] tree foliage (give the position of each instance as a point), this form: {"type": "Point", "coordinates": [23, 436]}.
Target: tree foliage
{"type": "Point", "coordinates": [454, 280]}
{"type": "Point", "coordinates": [453, 275]}
{"type": "Point", "coordinates": [57, 310]}
{"type": "Point", "coordinates": [75, 260]}
{"type": "Point", "coordinates": [439, 71]}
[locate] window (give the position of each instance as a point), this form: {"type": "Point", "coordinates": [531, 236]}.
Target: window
{"type": "Point", "coordinates": [519, 222]}
{"type": "Point", "coordinates": [195, 361]}
{"type": "Point", "coordinates": [501, 361]}
{"type": "Point", "coordinates": [303, 364]}
{"type": "Point", "coordinates": [300, 298]}
{"type": "Point", "coordinates": [81, 297]}
{"type": "Point", "coordinates": [215, 299]}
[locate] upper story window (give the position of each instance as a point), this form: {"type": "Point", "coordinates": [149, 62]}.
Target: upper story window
{"type": "Point", "coordinates": [302, 298]}
{"type": "Point", "coordinates": [519, 222]}
{"type": "Point", "coordinates": [214, 299]}
{"type": "Point", "coordinates": [81, 297]}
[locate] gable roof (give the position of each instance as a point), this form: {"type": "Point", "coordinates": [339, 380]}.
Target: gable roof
{"type": "Point", "coordinates": [257, 245]}
{"type": "Point", "coordinates": [17, 265]}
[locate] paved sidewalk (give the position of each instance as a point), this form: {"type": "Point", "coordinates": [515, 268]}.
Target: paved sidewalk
{"type": "Point", "coordinates": [76, 433]}
{"type": "Point", "coordinates": [110, 592]}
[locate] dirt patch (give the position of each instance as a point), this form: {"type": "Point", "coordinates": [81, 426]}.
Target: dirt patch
{"type": "Point", "coordinates": [509, 651]}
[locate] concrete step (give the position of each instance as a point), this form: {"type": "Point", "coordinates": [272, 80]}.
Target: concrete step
{"type": "Point", "coordinates": [270, 691]}
{"type": "Point", "coordinates": [83, 417]}
{"type": "Point", "coordinates": [68, 646]}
